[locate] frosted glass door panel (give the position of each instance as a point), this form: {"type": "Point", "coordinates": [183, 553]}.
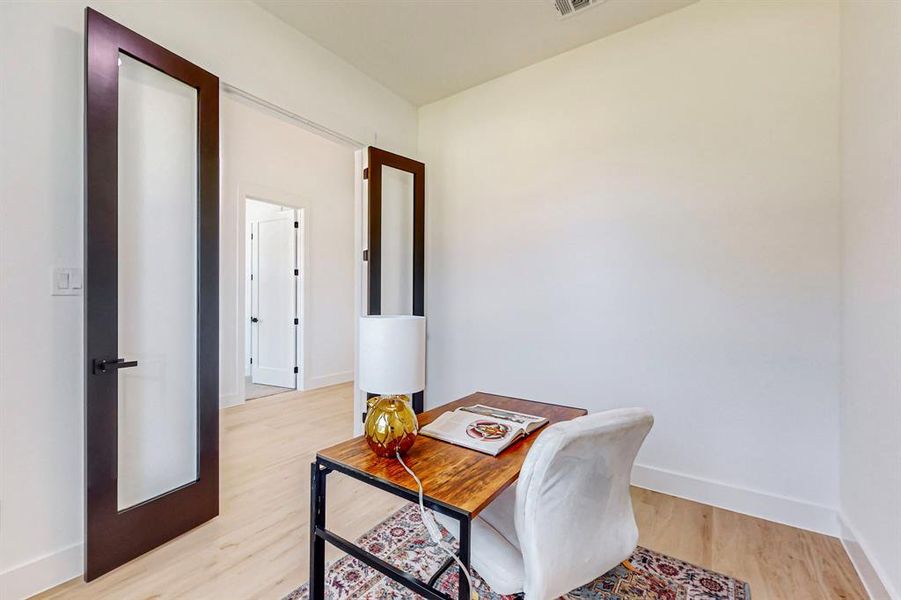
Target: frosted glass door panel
{"type": "Point", "coordinates": [157, 283]}
{"type": "Point", "coordinates": [397, 242]}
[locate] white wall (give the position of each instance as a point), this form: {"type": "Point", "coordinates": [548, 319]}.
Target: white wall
{"type": "Point", "coordinates": [41, 111]}
{"type": "Point", "coordinates": [652, 219]}
{"type": "Point", "coordinates": [267, 157]}
{"type": "Point", "coordinates": [871, 300]}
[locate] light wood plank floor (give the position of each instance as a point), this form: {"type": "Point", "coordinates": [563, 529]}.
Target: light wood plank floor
{"type": "Point", "coordinates": [258, 546]}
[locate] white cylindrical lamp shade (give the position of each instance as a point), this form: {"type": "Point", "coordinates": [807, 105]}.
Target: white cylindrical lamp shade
{"type": "Point", "coordinates": [392, 354]}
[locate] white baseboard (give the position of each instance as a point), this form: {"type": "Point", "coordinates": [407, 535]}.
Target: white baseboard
{"type": "Point", "coordinates": [870, 571]}
{"type": "Point", "coordinates": [42, 573]}
{"type": "Point", "coordinates": [780, 509]}
{"type": "Point", "coordinates": [331, 379]}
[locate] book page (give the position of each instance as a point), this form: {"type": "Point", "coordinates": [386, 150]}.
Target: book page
{"type": "Point", "coordinates": [485, 434]}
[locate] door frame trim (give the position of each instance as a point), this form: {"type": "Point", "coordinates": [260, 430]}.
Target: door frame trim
{"type": "Point", "coordinates": [303, 210]}
{"type": "Point", "coordinates": [113, 537]}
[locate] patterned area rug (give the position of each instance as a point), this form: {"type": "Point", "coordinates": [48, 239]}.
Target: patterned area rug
{"type": "Point", "coordinates": [402, 540]}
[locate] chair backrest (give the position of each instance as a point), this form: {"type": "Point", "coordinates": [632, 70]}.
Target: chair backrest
{"type": "Point", "coordinates": [574, 518]}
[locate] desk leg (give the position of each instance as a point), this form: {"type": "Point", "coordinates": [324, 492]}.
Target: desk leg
{"type": "Point", "coordinates": [317, 544]}
{"type": "Point", "coordinates": [463, 587]}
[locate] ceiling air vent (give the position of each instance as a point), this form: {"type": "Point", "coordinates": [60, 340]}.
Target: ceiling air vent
{"type": "Point", "coordinates": [568, 8]}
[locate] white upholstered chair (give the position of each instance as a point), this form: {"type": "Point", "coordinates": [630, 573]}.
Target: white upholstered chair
{"type": "Point", "coordinates": [569, 517]}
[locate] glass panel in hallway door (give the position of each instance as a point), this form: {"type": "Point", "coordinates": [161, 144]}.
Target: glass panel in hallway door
{"type": "Point", "coordinates": [397, 242]}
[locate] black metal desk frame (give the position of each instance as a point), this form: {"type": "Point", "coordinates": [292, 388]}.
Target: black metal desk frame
{"type": "Point", "coordinates": [319, 535]}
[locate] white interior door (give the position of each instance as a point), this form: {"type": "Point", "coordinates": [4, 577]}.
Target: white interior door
{"type": "Point", "coordinates": [273, 301]}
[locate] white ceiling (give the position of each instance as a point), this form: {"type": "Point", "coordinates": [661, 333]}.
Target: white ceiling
{"type": "Point", "coordinates": [429, 49]}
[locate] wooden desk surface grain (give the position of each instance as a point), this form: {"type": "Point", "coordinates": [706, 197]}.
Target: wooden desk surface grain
{"type": "Point", "coordinates": [453, 475]}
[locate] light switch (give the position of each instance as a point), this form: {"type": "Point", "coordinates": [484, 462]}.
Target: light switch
{"type": "Point", "coordinates": [67, 282]}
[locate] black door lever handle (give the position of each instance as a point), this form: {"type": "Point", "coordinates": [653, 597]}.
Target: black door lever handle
{"type": "Point", "coordinates": [105, 366]}
{"type": "Point", "coordinates": [254, 320]}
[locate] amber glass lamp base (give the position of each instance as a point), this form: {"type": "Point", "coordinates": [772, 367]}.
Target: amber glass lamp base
{"type": "Point", "coordinates": [391, 425]}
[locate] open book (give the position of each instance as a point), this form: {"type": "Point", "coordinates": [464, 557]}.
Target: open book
{"type": "Point", "coordinates": [482, 428]}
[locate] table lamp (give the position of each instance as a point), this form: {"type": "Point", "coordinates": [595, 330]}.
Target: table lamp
{"type": "Point", "coordinates": [392, 365]}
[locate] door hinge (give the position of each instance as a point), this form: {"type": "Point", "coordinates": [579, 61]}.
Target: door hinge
{"type": "Point", "coordinates": [296, 272]}
{"type": "Point", "coordinates": [251, 236]}
{"type": "Point", "coordinates": [365, 255]}
{"type": "Point", "coordinates": [296, 224]}
{"type": "Point", "coordinates": [297, 321]}
{"type": "Point", "coordinates": [251, 360]}
{"type": "Point", "coordinates": [296, 370]}
{"type": "Point", "coordinates": [251, 276]}
{"type": "Point", "coordinates": [366, 173]}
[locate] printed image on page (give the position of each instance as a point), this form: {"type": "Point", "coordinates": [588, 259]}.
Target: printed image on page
{"type": "Point", "coordinates": [527, 422]}
{"type": "Point", "coordinates": [484, 434]}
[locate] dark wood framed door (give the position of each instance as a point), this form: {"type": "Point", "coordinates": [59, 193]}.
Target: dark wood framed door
{"type": "Point", "coordinates": [396, 244]}
{"type": "Point", "coordinates": [151, 295]}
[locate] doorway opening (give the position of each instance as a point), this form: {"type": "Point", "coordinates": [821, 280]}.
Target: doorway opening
{"type": "Point", "coordinates": [273, 296]}
{"type": "Point", "coordinates": [300, 175]}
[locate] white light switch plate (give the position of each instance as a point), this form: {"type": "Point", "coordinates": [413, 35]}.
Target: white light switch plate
{"type": "Point", "coordinates": [68, 282]}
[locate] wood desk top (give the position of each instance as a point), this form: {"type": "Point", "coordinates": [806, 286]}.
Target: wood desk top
{"type": "Point", "coordinates": [453, 475]}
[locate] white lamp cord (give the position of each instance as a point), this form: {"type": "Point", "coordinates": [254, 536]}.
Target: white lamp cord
{"type": "Point", "coordinates": [432, 527]}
